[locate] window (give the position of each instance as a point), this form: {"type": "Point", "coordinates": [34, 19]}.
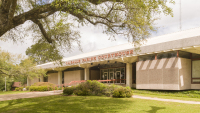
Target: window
{"type": "Point", "coordinates": [170, 54]}
{"type": "Point", "coordinates": [147, 57]}
{"type": "Point", "coordinates": [46, 79]}
{"type": "Point", "coordinates": [196, 71]}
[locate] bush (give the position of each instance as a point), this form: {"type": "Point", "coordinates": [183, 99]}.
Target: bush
{"type": "Point", "coordinates": [43, 86]}
{"type": "Point", "coordinates": [90, 88]}
{"type": "Point", "coordinates": [60, 88]}
{"type": "Point", "coordinates": [16, 89]}
{"type": "Point", "coordinates": [27, 88]}
{"type": "Point", "coordinates": [40, 88]}
{"type": "Point", "coordinates": [122, 92]}
{"type": "Point", "coordinates": [68, 90]}
{"type": "Point", "coordinates": [20, 88]}
{"type": "Point", "coordinates": [96, 88]}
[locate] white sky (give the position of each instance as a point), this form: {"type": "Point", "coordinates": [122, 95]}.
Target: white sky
{"type": "Point", "coordinates": [92, 37]}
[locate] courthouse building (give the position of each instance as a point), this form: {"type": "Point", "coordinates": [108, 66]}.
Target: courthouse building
{"type": "Point", "coordinates": [167, 62]}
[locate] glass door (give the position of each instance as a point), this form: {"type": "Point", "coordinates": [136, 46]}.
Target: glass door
{"type": "Point", "coordinates": [118, 73]}
{"type": "Point", "coordinates": [105, 76]}
{"type": "Point", "coordinates": [111, 77]}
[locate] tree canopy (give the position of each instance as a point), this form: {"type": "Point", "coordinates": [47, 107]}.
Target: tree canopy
{"type": "Point", "coordinates": [17, 66]}
{"type": "Point", "coordinates": [43, 52]}
{"type": "Point", "coordinates": [54, 21]}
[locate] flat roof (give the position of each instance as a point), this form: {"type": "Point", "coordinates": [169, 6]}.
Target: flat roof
{"type": "Point", "coordinates": [169, 42]}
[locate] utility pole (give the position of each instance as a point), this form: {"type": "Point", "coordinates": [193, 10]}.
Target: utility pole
{"type": "Point", "coordinates": [5, 83]}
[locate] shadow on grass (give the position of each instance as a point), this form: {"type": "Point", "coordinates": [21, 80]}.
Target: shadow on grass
{"type": "Point", "coordinates": [66, 104]}
{"type": "Point", "coordinates": [154, 109]}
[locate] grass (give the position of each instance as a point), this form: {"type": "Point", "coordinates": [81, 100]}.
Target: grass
{"type": "Point", "coordinates": [191, 95]}
{"type": "Point", "coordinates": [12, 92]}
{"type": "Point", "coordinates": [93, 104]}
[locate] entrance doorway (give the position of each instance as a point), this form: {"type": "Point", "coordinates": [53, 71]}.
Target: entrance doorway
{"type": "Point", "coordinates": [113, 73]}
{"type": "Point", "coordinates": [112, 76]}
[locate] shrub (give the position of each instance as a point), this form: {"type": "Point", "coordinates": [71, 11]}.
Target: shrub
{"type": "Point", "coordinates": [122, 92]}
{"type": "Point", "coordinates": [27, 88]}
{"type": "Point", "coordinates": [40, 88]}
{"type": "Point", "coordinates": [20, 88]}
{"type": "Point", "coordinates": [60, 88]}
{"type": "Point", "coordinates": [68, 90]}
{"type": "Point", "coordinates": [16, 89]}
{"type": "Point", "coordinates": [43, 86]}
{"type": "Point", "coordinates": [90, 88]}
{"type": "Point", "coordinates": [96, 88]}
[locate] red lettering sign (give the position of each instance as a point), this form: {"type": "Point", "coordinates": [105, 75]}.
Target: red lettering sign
{"type": "Point", "coordinates": [116, 54]}
{"type": "Point", "coordinates": [131, 51]}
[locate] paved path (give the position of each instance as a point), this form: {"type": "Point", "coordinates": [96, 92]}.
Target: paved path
{"type": "Point", "coordinates": [166, 100]}
{"type": "Point", "coordinates": [49, 93]}
{"type": "Point", "coordinates": [29, 95]}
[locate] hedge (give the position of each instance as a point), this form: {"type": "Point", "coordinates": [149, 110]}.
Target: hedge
{"type": "Point", "coordinates": [41, 88]}
{"type": "Point", "coordinates": [19, 89]}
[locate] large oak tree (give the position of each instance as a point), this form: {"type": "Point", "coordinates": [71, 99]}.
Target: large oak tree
{"type": "Point", "coordinates": [53, 21]}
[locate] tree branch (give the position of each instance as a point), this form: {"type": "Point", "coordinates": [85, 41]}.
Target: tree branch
{"type": "Point", "coordinates": [97, 2]}
{"type": "Point", "coordinates": [42, 30]}
{"type": "Point", "coordinates": [12, 11]}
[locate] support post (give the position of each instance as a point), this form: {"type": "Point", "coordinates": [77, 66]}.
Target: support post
{"type": "Point", "coordinates": [129, 74]}
{"type": "Point", "coordinates": [59, 78]}
{"type": "Point", "coordinates": [41, 78]}
{"type": "Point", "coordinates": [5, 83]}
{"type": "Point", "coordinates": [28, 82]}
{"type": "Point", "coordinates": [86, 74]}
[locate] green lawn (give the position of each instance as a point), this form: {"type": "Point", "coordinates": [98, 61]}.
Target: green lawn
{"type": "Point", "coordinates": [93, 104]}
{"type": "Point", "coordinates": [191, 95]}
{"type": "Point", "coordinates": [12, 92]}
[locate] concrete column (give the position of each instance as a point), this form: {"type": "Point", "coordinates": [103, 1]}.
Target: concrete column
{"type": "Point", "coordinates": [129, 74]}
{"type": "Point", "coordinates": [28, 82]}
{"type": "Point", "coordinates": [59, 77]}
{"type": "Point", "coordinates": [86, 74]}
{"type": "Point", "coordinates": [41, 78]}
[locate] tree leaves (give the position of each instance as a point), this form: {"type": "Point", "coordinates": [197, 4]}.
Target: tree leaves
{"type": "Point", "coordinates": [18, 66]}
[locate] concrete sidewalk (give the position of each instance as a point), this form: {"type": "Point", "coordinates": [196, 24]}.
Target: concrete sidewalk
{"type": "Point", "coordinates": [29, 95]}
{"type": "Point", "coordinates": [57, 92]}
{"type": "Point", "coordinates": [166, 100]}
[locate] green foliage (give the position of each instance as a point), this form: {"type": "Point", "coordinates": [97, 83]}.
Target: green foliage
{"type": "Point", "coordinates": [185, 94]}
{"type": "Point", "coordinates": [16, 67]}
{"type": "Point", "coordinates": [95, 88]}
{"type": "Point", "coordinates": [68, 90]}
{"type": "Point", "coordinates": [40, 88]}
{"type": "Point", "coordinates": [20, 88]}
{"type": "Point", "coordinates": [90, 88]}
{"type": "Point", "coordinates": [56, 21]}
{"type": "Point", "coordinates": [42, 52]}
{"type": "Point", "coordinates": [60, 88]}
{"type": "Point", "coordinates": [93, 104]}
{"type": "Point", "coordinates": [27, 88]}
{"type": "Point", "coordinates": [43, 86]}
{"type": "Point", "coordinates": [122, 92]}
{"type": "Point", "coordinates": [16, 89]}
{"type": "Point", "coordinates": [9, 83]}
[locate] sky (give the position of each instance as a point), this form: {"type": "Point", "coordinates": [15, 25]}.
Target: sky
{"type": "Point", "coordinates": [93, 39]}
